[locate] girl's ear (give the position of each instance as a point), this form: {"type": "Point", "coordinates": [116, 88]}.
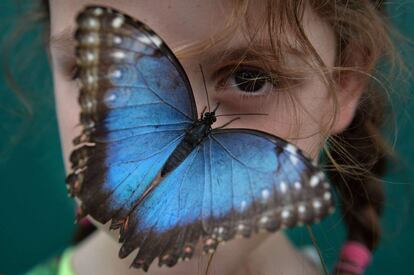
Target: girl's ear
{"type": "Point", "coordinates": [350, 86]}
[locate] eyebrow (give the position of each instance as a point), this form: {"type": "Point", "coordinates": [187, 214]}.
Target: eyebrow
{"type": "Point", "coordinates": [253, 54]}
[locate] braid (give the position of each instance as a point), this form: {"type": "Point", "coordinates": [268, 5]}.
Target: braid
{"type": "Point", "coordinates": [362, 153]}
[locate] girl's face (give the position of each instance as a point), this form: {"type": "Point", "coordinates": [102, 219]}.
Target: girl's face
{"type": "Point", "coordinates": [181, 22]}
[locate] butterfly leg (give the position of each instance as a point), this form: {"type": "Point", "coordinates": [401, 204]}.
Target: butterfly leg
{"type": "Point", "coordinates": [227, 123]}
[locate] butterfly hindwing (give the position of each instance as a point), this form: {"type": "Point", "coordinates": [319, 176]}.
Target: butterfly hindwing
{"type": "Point", "coordinates": [237, 181]}
{"type": "Point", "coordinates": [136, 105]}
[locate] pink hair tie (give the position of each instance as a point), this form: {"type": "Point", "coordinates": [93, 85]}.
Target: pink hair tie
{"type": "Point", "coordinates": [354, 258]}
{"type": "Point", "coordinates": [80, 218]}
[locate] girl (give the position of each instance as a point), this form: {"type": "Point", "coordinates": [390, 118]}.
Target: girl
{"type": "Point", "coordinates": [306, 64]}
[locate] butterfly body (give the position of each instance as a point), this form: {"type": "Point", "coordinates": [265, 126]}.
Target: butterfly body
{"type": "Point", "coordinates": [215, 183]}
{"type": "Point", "coordinates": [193, 137]}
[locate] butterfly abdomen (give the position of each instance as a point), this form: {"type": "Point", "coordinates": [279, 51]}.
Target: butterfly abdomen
{"type": "Point", "coordinates": [193, 137]}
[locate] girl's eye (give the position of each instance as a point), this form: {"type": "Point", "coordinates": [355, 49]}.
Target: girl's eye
{"type": "Point", "coordinates": [248, 80]}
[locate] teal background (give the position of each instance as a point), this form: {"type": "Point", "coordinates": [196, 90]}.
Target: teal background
{"type": "Point", "coordinates": [36, 215]}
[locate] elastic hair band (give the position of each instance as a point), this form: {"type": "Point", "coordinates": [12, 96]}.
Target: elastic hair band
{"type": "Point", "coordinates": [354, 258]}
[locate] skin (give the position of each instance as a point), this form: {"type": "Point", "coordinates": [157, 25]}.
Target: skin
{"type": "Point", "coordinates": [176, 21]}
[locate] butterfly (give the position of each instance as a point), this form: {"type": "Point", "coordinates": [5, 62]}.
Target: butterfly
{"type": "Point", "coordinates": [166, 178]}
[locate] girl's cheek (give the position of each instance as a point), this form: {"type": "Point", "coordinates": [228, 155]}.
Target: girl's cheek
{"type": "Point", "coordinates": [67, 108]}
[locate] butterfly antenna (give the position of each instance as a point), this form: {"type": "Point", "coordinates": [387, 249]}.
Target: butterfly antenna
{"type": "Point", "coordinates": [205, 87]}
{"type": "Point", "coordinates": [215, 108]}
{"type": "Point", "coordinates": [202, 112]}
{"type": "Point", "coordinates": [248, 114]}
{"type": "Point", "coordinates": [227, 123]}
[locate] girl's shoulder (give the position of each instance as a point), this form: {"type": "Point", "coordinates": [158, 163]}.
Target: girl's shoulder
{"type": "Point", "coordinates": [58, 265]}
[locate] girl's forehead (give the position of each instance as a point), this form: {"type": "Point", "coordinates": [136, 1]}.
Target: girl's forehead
{"type": "Point", "coordinates": [181, 22]}
{"type": "Point", "coordinates": [174, 20]}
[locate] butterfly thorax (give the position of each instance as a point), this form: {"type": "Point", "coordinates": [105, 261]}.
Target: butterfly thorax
{"type": "Point", "coordinates": [193, 137]}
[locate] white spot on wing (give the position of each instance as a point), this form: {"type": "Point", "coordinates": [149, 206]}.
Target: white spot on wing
{"type": "Point", "coordinates": [92, 23]}
{"type": "Point", "coordinates": [117, 22]}
{"type": "Point", "coordinates": [316, 204]}
{"type": "Point", "coordinates": [156, 40]}
{"type": "Point", "coordinates": [144, 39]}
{"type": "Point", "coordinates": [290, 148]}
{"type": "Point", "coordinates": [118, 54]}
{"type": "Point", "coordinates": [294, 159]}
{"type": "Point", "coordinates": [90, 79]}
{"type": "Point", "coordinates": [285, 214]}
{"type": "Point", "coordinates": [97, 11]}
{"type": "Point", "coordinates": [301, 208]}
{"type": "Point", "coordinates": [314, 181]}
{"type": "Point", "coordinates": [90, 56]}
{"type": "Point", "coordinates": [117, 40]}
{"type": "Point", "coordinates": [327, 196]}
{"type": "Point", "coordinates": [283, 187]}
{"type": "Point", "coordinates": [110, 97]}
{"type": "Point", "coordinates": [265, 194]}
{"type": "Point", "coordinates": [264, 219]}
{"type": "Point", "coordinates": [243, 205]}
{"type": "Point", "coordinates": [91, 39]}
{"type": "Point", "coordinates": [116, 74]}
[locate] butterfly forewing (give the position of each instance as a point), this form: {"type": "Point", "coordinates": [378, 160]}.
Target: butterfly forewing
{"type": "Point", "coordinates": [136, 104]}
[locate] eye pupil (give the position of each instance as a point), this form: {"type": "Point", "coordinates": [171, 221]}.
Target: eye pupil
{"type": "Point", "coordinates": [249, 80]}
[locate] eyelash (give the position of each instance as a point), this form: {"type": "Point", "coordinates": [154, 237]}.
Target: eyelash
{"type": "Point", "coordinates": [230, 72]}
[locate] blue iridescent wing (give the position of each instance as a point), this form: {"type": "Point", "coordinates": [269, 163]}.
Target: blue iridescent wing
{"type": "Point", "coordinates": [136, 104]}
{"type": "Point", "coordinates": [237, 181]}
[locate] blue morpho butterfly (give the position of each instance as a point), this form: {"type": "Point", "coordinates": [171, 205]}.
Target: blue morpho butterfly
{"type": "Point", "coordinates": [160, 174]}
